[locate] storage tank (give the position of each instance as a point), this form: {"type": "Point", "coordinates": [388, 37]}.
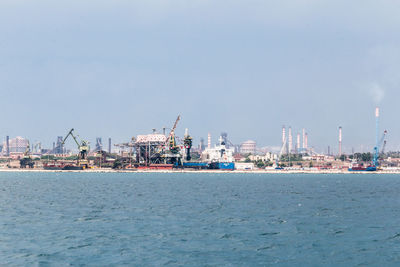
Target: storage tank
{"type": "Point", "coordinates": [248, 147]}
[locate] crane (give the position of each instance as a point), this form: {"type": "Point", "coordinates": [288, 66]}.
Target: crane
{"type": "Point", "coordinates": [26, 159]}
{"type": "Point", "coordinates": [379, 149]}
{"type": "Point", "coordinates": [123, 162]}
{"type": "Point", "coordinates": [280, 155]}
{"type": "Point", "coordinates": [383, 147]}
{"type": "Point", "coordinates": [122, 146]}
{"type": "Point", "coordinates": [83, 147]}
{"type": "Point", "coordinates": [170, 141]}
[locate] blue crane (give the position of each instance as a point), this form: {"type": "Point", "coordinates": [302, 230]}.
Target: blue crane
{"type": "Point", "coordinates": [379, 142]}
{"type": "Point", "coordinates": [379, 147]}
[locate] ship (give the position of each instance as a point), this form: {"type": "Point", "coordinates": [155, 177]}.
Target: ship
{"type": "Point", "coordinates": [220, 157]}
{"type": "Point", "coordinates": [195, 165]}
{"type": "Point", "coordinates": [230, 166]}
{"type": "Point", "coordinates": [61, 166]}
{"type": "Point", "coordinates": [359, 167]}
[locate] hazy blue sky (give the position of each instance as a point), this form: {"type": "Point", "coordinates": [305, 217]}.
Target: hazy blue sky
{"type": "Point", "coordinates": [120, 68]}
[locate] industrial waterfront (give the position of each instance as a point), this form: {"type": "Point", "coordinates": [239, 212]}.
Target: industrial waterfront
{"type": "Point", "coordinates": [165, 151]}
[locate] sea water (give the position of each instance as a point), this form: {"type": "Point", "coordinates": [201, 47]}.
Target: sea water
{"type": "Point", "coordinates": [199, 219]}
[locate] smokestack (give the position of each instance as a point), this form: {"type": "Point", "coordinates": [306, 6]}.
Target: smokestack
{"type": "Point", "coordinates": [290, 140]}
{"type": "Point", "coordinates": [304, 138]}
{"type": "Point", "coordinates": [109, 145]}
{"type": "Point", "coordinates": [201, 144]}
{"type": "Point", "coordinates": [298, 143]}
{"type": "Point", "coordinates": [377, 126]}
{"type": "Point", "coordinates": [305, 141]}
{"type": "Point", "coordinates": [7, 145]}
{"type": "Point", "coordinates": [340, 141]}
{"type": "Point", "coordinates": [283, 134]}
{"type": "Point", "coordinates": [284, 137]}
{"type": "Point", "coordinates": [209, 141]}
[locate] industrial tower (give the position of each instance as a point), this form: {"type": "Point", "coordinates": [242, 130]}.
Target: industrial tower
{"type": "Point", "coordinates": [340, 141]}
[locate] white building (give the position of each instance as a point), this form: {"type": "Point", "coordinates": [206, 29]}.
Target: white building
{"type": "Point", "coordinates": [265, 158]}
{"type": "Point", "coordinates": [244, 166]}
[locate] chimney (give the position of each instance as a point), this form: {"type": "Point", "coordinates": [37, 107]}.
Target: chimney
{"type": "Point", "coordinates": [340, 141]}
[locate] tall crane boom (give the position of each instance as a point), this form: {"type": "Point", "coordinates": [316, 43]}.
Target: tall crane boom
{"type": "Point", "coordinates": [73, 136]}
{"type": "Point", "coordinates": [175, 124]}
{"type": "Point", "coordinates": [380, 147]}
{"type": "Point", "coordinates": [280, 155]}
{"type": "Point", "coordinates": [83, 147]}
{"type": "Point", "coordinates": [170, 141]}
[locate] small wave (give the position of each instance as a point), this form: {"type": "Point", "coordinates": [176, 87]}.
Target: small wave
{"type": "Point", "coordinates": [171, 262]}
{"type": "Point", "coordinates": [269, 233]}
{"type": "Point", "coordinates": [225, 236]}
{"type": "Point", "coordinates": [265, 248]}
{"type": "Point", "coordinates": [44, 255]}
{"type": "Point", "coordinates": [80, 246]}
{"type": "Point", "coordinates": [69, 237]}
{"type": "Point", "coordinates": [394, 237]}
{"type": "Point", "coordinates": [84, 219]}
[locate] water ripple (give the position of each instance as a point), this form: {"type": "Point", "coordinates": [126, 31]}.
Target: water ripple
{"type": "Point", "coordinates": [115, 219]}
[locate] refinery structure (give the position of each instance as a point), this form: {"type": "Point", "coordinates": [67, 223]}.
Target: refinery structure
{"type": "Point", "coordinates": [164, 150]}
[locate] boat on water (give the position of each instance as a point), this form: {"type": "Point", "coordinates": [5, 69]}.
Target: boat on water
{"type": "Point", "coordinates": [355, 166]}
{"type": "Point", "coordinates": [220, 157]}
{"type": "Point", "coordinates": [61, 166]}
{"type": "Point", "coordinates": [230, 166]}
{"type": "Point", "coordinates": [195, 165]}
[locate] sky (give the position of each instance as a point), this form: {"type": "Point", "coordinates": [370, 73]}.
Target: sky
{"type": "Point", "coordinates": [121, 68]}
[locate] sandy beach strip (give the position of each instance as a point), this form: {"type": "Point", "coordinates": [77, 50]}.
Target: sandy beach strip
{"type": "Point", "coordinates": [300, 171]}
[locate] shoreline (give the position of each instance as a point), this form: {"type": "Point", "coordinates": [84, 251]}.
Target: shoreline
{"type": "Point", "coordinates": [98, 170]}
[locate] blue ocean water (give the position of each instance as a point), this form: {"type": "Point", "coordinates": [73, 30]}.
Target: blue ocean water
{"type": "Point", "coordinates": [147, 219]}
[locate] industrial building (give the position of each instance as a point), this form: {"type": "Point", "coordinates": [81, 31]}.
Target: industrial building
{"type": "Point", "coordinates": [149, 148]}
{"type": "Point", "coordinates": [16, 145]}
{"type": "Point", "coordinates": [59, 148]}
{"type": "Point", "coordinates": [99, 144]}
{"type": "Point", "coordinates": [248, 147]}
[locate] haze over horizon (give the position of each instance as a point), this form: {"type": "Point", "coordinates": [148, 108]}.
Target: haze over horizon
{"type": "Point", "coordinates": [120, 68]}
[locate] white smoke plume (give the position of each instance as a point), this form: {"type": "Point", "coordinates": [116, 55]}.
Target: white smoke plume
{"type": "Point", "coordinates": [377, 93]}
